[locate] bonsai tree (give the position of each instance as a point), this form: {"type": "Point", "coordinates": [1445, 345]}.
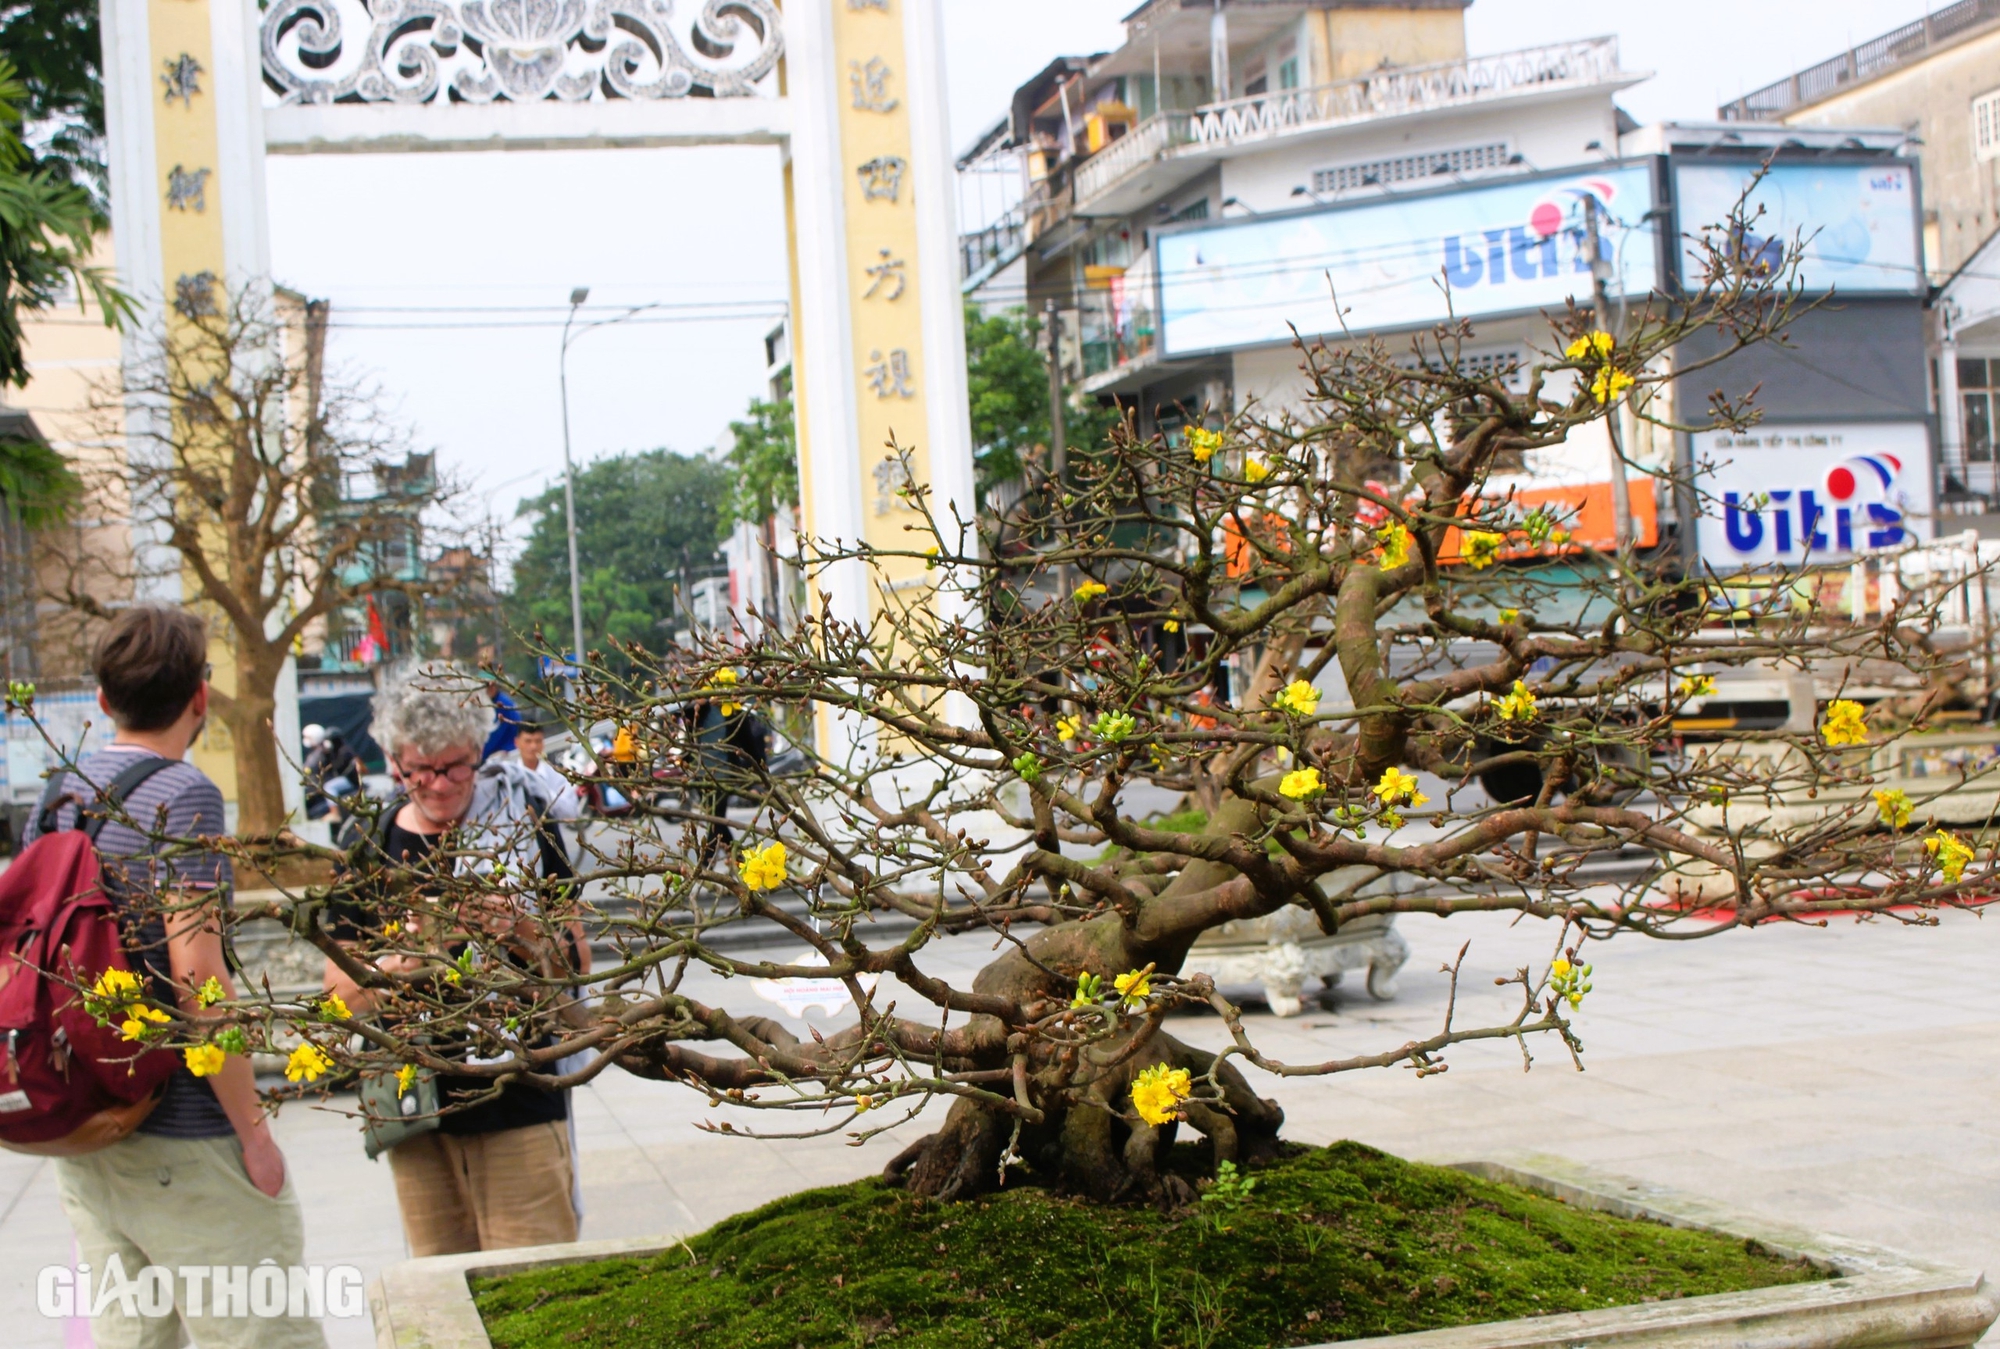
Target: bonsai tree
{"type": "Point", "coordinates": [1321, 630]}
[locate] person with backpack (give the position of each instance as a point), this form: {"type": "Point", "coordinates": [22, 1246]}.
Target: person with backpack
{"type": "Point", "coordinates": [200, 1181]}
{"type": "Point", "coordinates": [478, 1175]}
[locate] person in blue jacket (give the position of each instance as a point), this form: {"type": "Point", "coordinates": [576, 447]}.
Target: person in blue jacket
{"type": "Point", "coordinates": [506, 722]}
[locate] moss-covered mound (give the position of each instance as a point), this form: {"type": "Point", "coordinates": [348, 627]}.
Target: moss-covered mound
{"type": "Point", "coordinates": [1325, 1245]}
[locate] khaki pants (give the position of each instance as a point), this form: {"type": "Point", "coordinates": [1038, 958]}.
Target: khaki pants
{"type": "Point", "coordinates": [182, 1203]}
{"type": "Point", "coordinates": [485, 1192]}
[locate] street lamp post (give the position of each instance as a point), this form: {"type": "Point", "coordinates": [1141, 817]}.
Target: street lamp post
{"type": "Point", "coordinates": [576, 299]}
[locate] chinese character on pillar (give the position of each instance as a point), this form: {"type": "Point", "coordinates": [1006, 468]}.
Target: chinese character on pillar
{"type": "Point", "coordinates": [882, 178]}
{"type": "Point", "coordinates": [890, 378]}
{"type": "Point", "coordinates": [182, 80]}
{"type": "Point", "coordinates": [187, 190]}
{"type": "Point", "coordinates": [889, 271]}
{"type": "Point", "coordinates": [870, 83]}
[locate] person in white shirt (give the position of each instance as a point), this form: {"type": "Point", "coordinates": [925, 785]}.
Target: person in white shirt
{"type": "Point", "coordinates": [565, 798]}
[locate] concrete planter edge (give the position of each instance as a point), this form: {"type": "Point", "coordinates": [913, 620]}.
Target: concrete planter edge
{"type": "Point", "coordinates": [1883, 1299]}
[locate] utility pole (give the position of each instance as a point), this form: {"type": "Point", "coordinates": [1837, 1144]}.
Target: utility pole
{"type": "Point", "coordinates": [576, 299]}
{"type": "Point", "coordinates": [1058, 448]}
{"type": "Point", "coordinates": [1600, 273]}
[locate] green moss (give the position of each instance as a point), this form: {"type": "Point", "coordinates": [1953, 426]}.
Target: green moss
{"type": "Point", "coordinates": [1330, 1244]}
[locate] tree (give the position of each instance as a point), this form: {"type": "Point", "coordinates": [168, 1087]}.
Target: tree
{"type": "Point", "coordinates": [1007, 383]}
{"type": "Point", "coordinates": [645, 525]}
{"type": "Point", "coordinates": [270, 493]}
{"type": "Point", "coordinates": [764, 458]}
{"type": "Point", "coordinates": [55, 48]}
{"type": "Point", "coordinates": [979, 733]}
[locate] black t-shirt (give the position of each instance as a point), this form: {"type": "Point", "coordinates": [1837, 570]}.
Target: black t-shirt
{"type": "Point", "coordinates": [518, 1105]}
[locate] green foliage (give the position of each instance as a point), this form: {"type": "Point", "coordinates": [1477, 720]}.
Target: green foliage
{"type": "Point", "coordinates": [1007, 381]}
{"type": "Point", "coordinates": [36, 484]}
{"type": "Point", "coordinates": [1329, 1244]}
{"type": "Point", "coordinates": [765, 461]}
{"type": "Point", "coordinates": [47, 224]}
{"type": "Point", "coordinates": [55, 50]}
{"type": "Point", "coordinates": [646, 527]}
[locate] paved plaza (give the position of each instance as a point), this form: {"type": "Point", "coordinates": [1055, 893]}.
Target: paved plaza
{"type": "Point", "coordinates": [1842, 1078]}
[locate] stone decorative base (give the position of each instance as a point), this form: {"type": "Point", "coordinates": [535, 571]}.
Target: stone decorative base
{"type": "Point", "coordinates": [1883, 1299]}
{"type": "Point", "coordinates": [1280, 951]}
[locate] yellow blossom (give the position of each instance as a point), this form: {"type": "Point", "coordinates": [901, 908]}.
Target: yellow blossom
{"type": "Point", "coordinates": [1068, 728]}
{"type": "Point", "coordinates": [930, 557]}
{"type": "Point", "coordinates": [140, 1020]}
{"type": "Point", "coordinates": [308, 1063]}
{"type": "Point", "coordinates": [1395, 542]}
{"type": "Point", "coordinates": [391, 928]}
{"type": "Point", "coordinates": [1894, 807]}
{"type": "Point", "coordinates": [1951, 853]}
{"type": "Point", "coordinates": [1481, 548]}
{"type": "Point", "coordinates": [1172, 625]}
{"type": "Point", "coordinates": [1398, 788]}
{"type": "Point", "coordinates": [1301, 784]}
{"type": "Point", "coordinates": [1697, 686]}
{"type": "Point", "coordinates": [1202, 443]}
{"type": "Point", "coordinates": [1299, 698]}
{"type": "Point", "coordinates": [1569, 982]}
{"type": "Point", "coordinates": [1518, 705]}
{"type": "Point", "coordinates": [1134, 986]}
{"type": "Point", "coordinates": [116, 986]}
{"type": "Point", "coordinates": [210, 992]}
{"type": "Point", "coordinates": [406, 1077]}
{"type": "Point", "coordinates": [864, 1102]}
{"type": "Point", "coordinates": [1157, 1093]}
{"type": "Point", "coordinates": [1090, 590]}
{"type": "Point", "coordinates": [204, 1060]}
{"type": "Point", "coordinates": [1560, 969]}
{"type": "Point", "coordinates": [1255, 470]}
{"type": "Point", "coordinates": [1609, 383]}
{"type": "Point", "coordinates": [1510, 615]}
{"type": "Point", "coordinates": [1844, 724]}
{"type": "Point", "coordinates": [331, 1008]}
{"type": "Point", "coordinates": [764, 868]}
{"type": "Point", "coordinates": [723, 678]}
{"type": "Point", "coordinates": [1597, 344]}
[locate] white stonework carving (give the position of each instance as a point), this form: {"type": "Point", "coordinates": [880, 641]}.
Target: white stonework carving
{"type": "Point", "coordinates": [483, 51]}
{"type": "Point", "coordinates": [1281, 951]}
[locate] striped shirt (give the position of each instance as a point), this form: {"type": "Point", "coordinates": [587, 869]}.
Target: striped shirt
{"type": "Point", "coordinates": [178, 802]}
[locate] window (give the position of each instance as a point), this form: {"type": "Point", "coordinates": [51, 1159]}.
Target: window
{"type": "Point", "coordinates": [1194, 210]}
{"type": "Point", "coordinates": [1986, 126]}
{"type": "Point", "coordinates": [1288, 73]}
{"type": "Point", "coordinates": [1411, 168]}
{"type": "Point", "coordinates": [1976, 389]}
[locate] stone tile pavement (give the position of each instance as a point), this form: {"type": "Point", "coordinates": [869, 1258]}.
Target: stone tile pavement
{"type": "Point", "coordinates": [1844, 1078]}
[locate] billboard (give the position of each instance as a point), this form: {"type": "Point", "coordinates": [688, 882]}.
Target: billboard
{"type": "Point", "coordinates": [1785, 495]}
{"type": "Point", "coordinates": [1508, 247]}
{"type": "Point", "coordinates": [1858, 222]}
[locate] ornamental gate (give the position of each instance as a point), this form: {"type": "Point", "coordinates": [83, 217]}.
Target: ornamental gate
{"type": "Point", "coordinates": [199, 91]}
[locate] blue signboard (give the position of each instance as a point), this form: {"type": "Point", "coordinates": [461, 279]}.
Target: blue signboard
{"type": "Point", "coordinates": [1856, 223]}
{"type": "Point", "coordinates": [1404, 261]}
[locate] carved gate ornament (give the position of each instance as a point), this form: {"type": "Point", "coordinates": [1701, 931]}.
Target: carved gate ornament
{"type": "Point", "coordinates": [482, 51]}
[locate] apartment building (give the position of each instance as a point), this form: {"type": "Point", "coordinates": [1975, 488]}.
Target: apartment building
{"type": "Point", "coordinates": [1236, 171]}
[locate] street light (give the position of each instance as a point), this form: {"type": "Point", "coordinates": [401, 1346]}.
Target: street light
{"type": "Point", "coordinates": [576, 298]}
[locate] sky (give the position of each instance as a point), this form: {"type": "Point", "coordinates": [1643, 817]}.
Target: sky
{"type": "Point", "coordinates": [400, 241]}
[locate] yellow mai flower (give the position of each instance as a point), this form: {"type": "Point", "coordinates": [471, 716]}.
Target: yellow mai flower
{"type": "Point", "coordinates": [1255, 470]}
{"type": "Point", "coordinates": [1593, 344]}
{"type": "Point", "coordinates": [1894, 807]}
{"type": "Point", "coordinates": [1398, 788]}
{"type": "Point", "coordinates": [1134, 986]}
{"type": "Point", "coordinates": [1395, 542]}
{"type": "Point", "coordinates": [210, 992]}
{"type": "Point", "coordinates": [1481, 548]}
{"type": "Point", "coordinates": [204, 1060]}
{"type": "Point", "coordinates": [1068, 728]}
{"type": "Point", "coordinates": [1951, 853]}
{"type": "Point", "coordinates": [1090, 590]}
{"type": "Point", "coordinates": [308, 1063]}
{"type": "Point", "coordinates": [1299, 698]}
{"type": "Point", "coordinates": [406, 1077]}
{"type": "Point", "coordinates": [140, 1020]}
{"type": "Point", "coordinates": [1518, 705]}
{"type": "Point", "coordinates": [1301, 784]}
{"type": "Point", "coordinates": [1157, 1093]}
{"type": "Point", "coordinates": [1510, 615]}
{"type": "Point", "coordinates": [724, 677]}
{"type": "Point", "coordinates": [1172, 625]}
{"type": "Point", "coordinates": [331, 1008]}
{"type": "Point", "coordinates": [116, 986]}
{"type": "Point", "coordinates": [1697, 686]}
{"type": "Point", "coordinates": [1844, 724]}
{"type": "Point", "coordinates": [764, 868]}
{"type": "Point", "coordinates": [1559, 968]}
{"type": "Point", "coordinates": [863, 1103]}
{"type": "Point", "coordinates": [1202, 443]}
{"type": "Point", "coordinates": [1609, 384]}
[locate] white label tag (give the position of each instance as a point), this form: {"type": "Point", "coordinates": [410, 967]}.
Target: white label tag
{"type": "Point", "coordinates": [12, 1101]}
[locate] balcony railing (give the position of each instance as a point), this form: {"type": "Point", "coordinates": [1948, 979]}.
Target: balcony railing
{"type": "Point", "coordinates": [993, 247]}
{"type": "Point", "coordinates": [1389, 93]}
{"type": "Point", "coordinates": [1131, 152]}
{"type": "Point", "coordinates": [1899, 46]}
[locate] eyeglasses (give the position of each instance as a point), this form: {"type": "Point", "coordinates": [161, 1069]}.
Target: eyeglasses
{"type": "Point", "coordinates": [420, 775]}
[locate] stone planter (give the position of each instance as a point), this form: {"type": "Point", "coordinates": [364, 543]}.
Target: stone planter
{"type": "Point", "coordinates": [1282, 950]}
{"type": "Point", "coordinates": [1883, 1299]}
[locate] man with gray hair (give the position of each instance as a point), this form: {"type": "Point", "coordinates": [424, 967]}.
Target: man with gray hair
{"type": "Point", "coordinates": [499, 1172]}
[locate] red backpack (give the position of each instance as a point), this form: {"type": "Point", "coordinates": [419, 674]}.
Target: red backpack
{"type": "Point", "coordinates": [68, 1084]}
